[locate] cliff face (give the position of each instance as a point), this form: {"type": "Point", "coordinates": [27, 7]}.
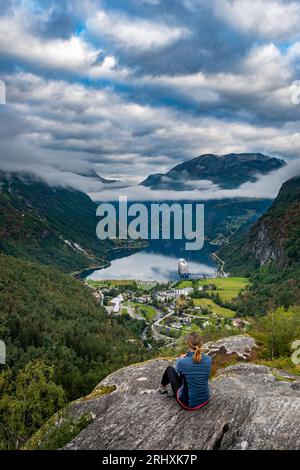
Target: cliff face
{"type": "Point", "coordinates": [251, 407]}
{"type": "Point", "coordinates": [265, 248]}
{"type": "Point", "coordinates": [274, 238]}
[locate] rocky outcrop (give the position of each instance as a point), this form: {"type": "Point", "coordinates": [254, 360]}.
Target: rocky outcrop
{"type": "Point", "coordinates": [242, 346]}
{"type": "Point", "coordinates": [251, 407]}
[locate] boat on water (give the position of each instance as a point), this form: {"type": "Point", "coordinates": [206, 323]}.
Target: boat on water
{"type": "Point", "coordinates": [184, 272]}
{"type": "Point", "coordinates": [183, 269]}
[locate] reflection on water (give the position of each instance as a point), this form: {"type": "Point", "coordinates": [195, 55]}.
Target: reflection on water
{"type": "Point", "coordinates": [150, 266]}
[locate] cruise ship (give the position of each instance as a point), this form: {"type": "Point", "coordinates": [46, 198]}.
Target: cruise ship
{"type": "Point", "coordinates": [183, 268]}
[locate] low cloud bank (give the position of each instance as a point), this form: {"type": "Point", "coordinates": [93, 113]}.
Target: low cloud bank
{"type": "Point", "coordinates": [68, 169]}
{"type": "Point", "coordinates": [266, 187]}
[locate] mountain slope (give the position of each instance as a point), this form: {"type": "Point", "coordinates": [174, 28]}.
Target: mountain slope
{"type": "Point", "coordinates": [227, 171]}
{"type": "Point", "coordinates": [51, 225]}
{"type": "Point", "coordinates": [47, 315]}
{"type": "Point", "coordinates": [270, 253]}
{"type": "Point", "coordinates": [59, 343]}
{"type": "Point", "coordinates": [274, 238]}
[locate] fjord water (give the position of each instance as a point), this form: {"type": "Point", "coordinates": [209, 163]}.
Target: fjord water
{"type": "Point", "coordinates": [157, 263]}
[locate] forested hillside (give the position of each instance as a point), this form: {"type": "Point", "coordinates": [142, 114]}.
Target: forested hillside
{"type": "Point", "coordinates": [270, 254]}
{"type": "Point", "coordinates": [59, 344]}
{"type": "Point", "coordinates": [47, 315]}
{"type": "Point", "coordinates": [51, 225]}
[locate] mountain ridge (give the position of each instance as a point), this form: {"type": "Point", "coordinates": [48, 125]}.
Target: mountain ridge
{"type": "Point", "coordinates": [228, 171]}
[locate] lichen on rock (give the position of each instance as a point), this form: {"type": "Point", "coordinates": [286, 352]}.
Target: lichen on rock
{"type": "Point", "coordinates": [241, 345]}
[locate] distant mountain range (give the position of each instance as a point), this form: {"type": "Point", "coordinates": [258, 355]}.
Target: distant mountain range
{"type": "Point", "coordinates": [227, 171]}
{"type": "Point", "coordinates": [91, 173]}
{"type": "Point", "coordinates": [57, 226]}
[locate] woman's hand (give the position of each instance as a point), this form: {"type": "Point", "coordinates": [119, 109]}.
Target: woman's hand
{"type": "Point", "coordinates": [182, 356]}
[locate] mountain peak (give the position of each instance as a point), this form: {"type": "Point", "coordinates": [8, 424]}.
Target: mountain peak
{"type": "Point", "coordinates": [228, 171]}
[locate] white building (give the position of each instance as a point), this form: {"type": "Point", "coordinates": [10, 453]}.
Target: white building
{"type": "Point", "coordinates": [117, 301]}
{"type": "Point", "coordinates": [186, 291]}
{"type": "Point", "coordinates": [173, 293]}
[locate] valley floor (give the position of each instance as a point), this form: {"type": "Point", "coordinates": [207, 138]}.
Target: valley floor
{"type": "Point", "coordinates": [173, 309]}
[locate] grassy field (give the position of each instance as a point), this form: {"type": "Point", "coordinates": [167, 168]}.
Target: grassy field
{"type": "Point", "coordinates": [121, 282]}
{"type": "Point", "coordinates": [208, 303]}
{"type": "Point", "coordinates": [110, 283]}
{"type": "Point", "coordinates": [96, 284]}
{"type": "Point", "coordinates": [183, 284]}
{"type": "Point", "coordinates": [232, 283]}
{"type": "Point", "coordinates": [146, 310]}
{"type": "Point", "coordinates": [141, 285]}
{"type": "Point", "coordinates": [227, 287]}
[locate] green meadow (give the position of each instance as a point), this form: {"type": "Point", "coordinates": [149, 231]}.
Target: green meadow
{"type": "Point", "coordinates": [209, 303]}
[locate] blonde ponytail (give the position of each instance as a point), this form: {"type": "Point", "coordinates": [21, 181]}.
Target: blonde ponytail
{"type": "Point", "coordinates": [198, 354]}
{"type": "Point", "coordinates": [195, 343]}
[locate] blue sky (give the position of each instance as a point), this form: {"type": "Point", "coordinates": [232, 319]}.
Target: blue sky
{"type": "Point", "coordinates": [129, 88]}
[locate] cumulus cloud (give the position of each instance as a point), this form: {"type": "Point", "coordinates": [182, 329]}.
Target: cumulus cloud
{"type": "Point", "coordinates": [267, 18]}
{"type": "Point", "coordinates": [120, 138]}
{"type": "Point", "coordinates": [132, 32]}
{"type": "Point", "coordinates": [68, 54]}
{"type": "Point", "coordinates": [71, 54]}
{"type": "Point", "coordinates": [262, 86]}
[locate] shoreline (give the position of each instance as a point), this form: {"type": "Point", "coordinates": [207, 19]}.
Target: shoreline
{"type": "Point", "coordinates": [118, 253]}
{"type": "Point", "coordinates": [83, 273]}
{"type": "Point", "coordinates": [80, 275]}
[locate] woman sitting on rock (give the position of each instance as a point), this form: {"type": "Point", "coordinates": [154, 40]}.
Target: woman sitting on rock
{"type": "Point", "coordinates": [189, 378]}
